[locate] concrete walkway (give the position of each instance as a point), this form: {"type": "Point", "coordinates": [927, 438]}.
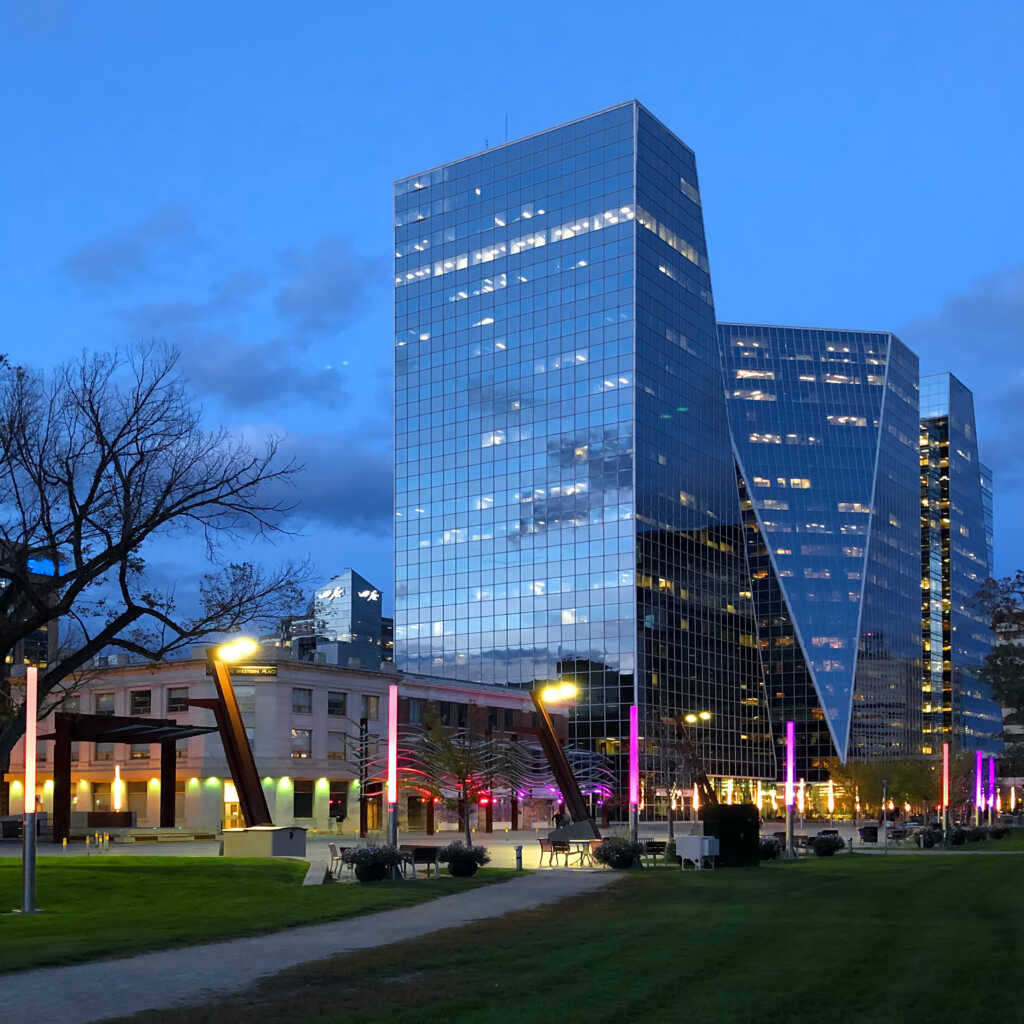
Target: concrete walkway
{"type": "Point", "coordinates": [197, 974]}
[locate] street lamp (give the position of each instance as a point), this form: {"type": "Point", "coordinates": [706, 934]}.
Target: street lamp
{"type": "Point", "coordinates": [252, 800]}
{"type": "Point", "coordinates": [561, 693]}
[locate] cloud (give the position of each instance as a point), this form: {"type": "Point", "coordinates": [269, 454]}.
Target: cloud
{"type": "Point", "coordinates": [249, 375]}
{"type": "Point", "coordinates": [979, 336]}
{"type": "Point", "coordinates": [347, 480]}
{"type": "Point", "coordinates": [328, 287]}
{"type": "Point", "coordinates": [226, 296]}
{"type": "Point", "coordinates": [134, 253]}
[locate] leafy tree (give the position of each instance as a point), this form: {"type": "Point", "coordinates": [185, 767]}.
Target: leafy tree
{"type": "Point", "coordinates": [98, 459]}
{"type": "Point", "coordinates": [1003, 670]}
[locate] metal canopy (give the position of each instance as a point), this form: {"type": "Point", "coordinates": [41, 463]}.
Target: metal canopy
{"type": "Point", "coordinates": [123, 729]}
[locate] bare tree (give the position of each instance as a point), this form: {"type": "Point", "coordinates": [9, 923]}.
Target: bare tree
{"type": "Point", "coordinates": [100, 458]}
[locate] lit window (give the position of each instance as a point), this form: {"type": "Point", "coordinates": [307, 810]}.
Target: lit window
{"type": "Point", "coordinates": [302, 743]}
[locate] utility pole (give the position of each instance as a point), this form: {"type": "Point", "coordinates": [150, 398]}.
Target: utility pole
{"type": "Point", "coordinates": [885, 815]}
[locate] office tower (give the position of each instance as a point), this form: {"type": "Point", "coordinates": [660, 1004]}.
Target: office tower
{"type": "Point", "coordinates": [824, 426]}
{"type": "Point", "coordinates": [956, 558]}
{"type": "Point", "coordinates": [566, 502]}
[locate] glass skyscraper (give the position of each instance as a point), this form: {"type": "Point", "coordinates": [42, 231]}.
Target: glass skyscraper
{"type": "Point", "coordinates": [956, 523]}
{"type": "Point", "coordinates": [565, 496]}
{"type": "Point", "coordinates": [824, 425]}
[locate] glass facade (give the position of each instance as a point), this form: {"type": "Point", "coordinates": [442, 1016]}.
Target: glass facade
{"type": "Point", "coordinates": [346, 621]}
{"type": "Point", "coordinates": [824, 426]}
{"type": "Point", "coordinates": [565, 499]}
{"type": "Point", "coordinates": [956, 553]}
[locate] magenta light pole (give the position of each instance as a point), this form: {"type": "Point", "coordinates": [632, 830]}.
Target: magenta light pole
{"type": "Point", "coordinates": [393, 764]}
{"type": "Point", "coordinates": [978, 796]}
{"type": "Point", "coordinates": [991, 787]}
{"type": "Point", "coordinates": [634, 773]}
{"type": "Point", "coordinates": [790, 775]}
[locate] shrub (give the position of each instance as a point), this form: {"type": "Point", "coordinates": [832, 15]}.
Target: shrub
{"type": "Point", "coordinates": [958, 837]}
{"type": "Point", "coordinates": [367, 856]}
{"type": "Point", "coordinates": [617, 853]}
{"type": "Point", "coordinates": [671, 857]}
{"type": "Point", "coordinates": [975, 835]}
{"type": "Point", "coordinates": [929, 837]}
{"type": "Point", "coordinates": [826, 846]}
{"type": "Point", "coordinates": [770, 848]}
{"type": "Point", "coordinates": [999, 832]}
{"type": "Point", "coordinates": [458, 851]}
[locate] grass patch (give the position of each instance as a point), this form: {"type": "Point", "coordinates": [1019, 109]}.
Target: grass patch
{"type": "Point", "coordinates": [870, 939]}
{"type": "Point", "coordinates": [109, 906]}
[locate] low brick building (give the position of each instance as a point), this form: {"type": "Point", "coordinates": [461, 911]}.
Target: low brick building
{"type": "Point", "coordinates": [318, 734]}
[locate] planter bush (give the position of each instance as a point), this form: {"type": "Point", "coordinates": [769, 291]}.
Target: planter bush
{"type": "Point", "coordinates": [372, 863]}
{"type": "Point", "coordinates": [929, 838]}
{"type": "Point", "coordinates": [617, 853]}
{"type": "Point", "coordinates": [999, 832]}
{"type": "Point", "coordinates": [975, 835]}
{"type": "Point", "coordinates": [672, 859]}
{"type": "Point", "coordinates": [462, 860]}
{"type": "Point", "coordinates": [827, 846]}
{"type": "Point", "coordinates": [770, 848]}
{"type": "Point", "coordinates": [958, 837]}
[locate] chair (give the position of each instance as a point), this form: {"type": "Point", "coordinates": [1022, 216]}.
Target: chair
{"type": "Point", "coordinates": [334, 868]}
{"type": "Point", "coordinates": [653, 849]}
{"type": "Point", "coordinates": [546, 847]}
{"type": "Point", "coordinates": [560, 848]}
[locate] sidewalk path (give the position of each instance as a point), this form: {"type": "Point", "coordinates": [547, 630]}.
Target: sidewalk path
{"type": "Point", "coordinates": [196, 974]}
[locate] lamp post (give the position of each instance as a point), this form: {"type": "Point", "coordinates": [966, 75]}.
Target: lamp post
{"type": "Point", "coordinates": [790, 775]}
{"type": "Point", "coordinates": [28, 860]}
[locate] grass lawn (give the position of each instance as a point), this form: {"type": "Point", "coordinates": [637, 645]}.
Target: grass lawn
{"type": "Point", "coordinates": [110, 906]}
{"type": "Point", "coordinates": [850, 938]}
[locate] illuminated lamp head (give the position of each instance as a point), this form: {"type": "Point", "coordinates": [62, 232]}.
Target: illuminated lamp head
{"type": "Point", "coordinates": [237, 649]}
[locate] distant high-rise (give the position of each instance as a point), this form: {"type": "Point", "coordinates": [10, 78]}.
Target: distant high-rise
{"type": "Point", "coordinates": [566, 502]}
{"type": "Point", "coordinates": [824, 424]}
{"type": "Point", "coordinates": [956, 522]}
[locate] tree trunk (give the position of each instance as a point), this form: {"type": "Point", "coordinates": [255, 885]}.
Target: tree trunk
{"type": "Point", "coordinates": [465, 817]}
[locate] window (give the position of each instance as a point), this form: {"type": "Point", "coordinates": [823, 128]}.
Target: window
{"type": "Point", "coordinates": [70, 705]}
{"type": "Point", "coordinates": [101, 796]}
{"type": "Point", "coordinates": [177, 699]}
{"type": "Point", "coordinates": [302, 799]}
{"type": "Point", "coordinates": [104, 752]}
{"type": "Point", "coordinates": [139, 752]}
{"type": "Point", "coordinates": [336, 747]}
{"type": "Point", "coordinates": [371, 707]}
{"type": "Point", "coordinates": [339, 800]}
{"type": "Point", "coordinates": [41, 751]}
{"type": "Point", "coordinates": [302, 743]}
{"type": "Point", "coordinates": [74, 753]}
{"type": "Point", "coordinates": [104, 703]}
{"type": "Point", "coordinates": [302, 701]}
{"type": "Point", "coordinates": [246, 697]}
{"type": "Point", "coordinates": [337, 704]}
{"type": "Point", "coordinates": [140, 702]}
{"type": "Point", "coordinates": [415, 711]}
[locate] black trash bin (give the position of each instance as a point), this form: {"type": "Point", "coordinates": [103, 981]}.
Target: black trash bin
{"type": "Point", "coordinates": [868, 833]}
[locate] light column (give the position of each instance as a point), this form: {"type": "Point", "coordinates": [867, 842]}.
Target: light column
{"type": "Point", "coordinates": [991, 787]}
{"type": "Point", "coordinates": [28, 860]}
{"type": "Point", "coordinates": [634, 773]}
{"type": "Point", "coordinates": [978, 763]}
{"type": "Point", "coordinates": [393, 764]}
{"type": "Point", "coordinates": [945, 787]}
{"type": "Point", "coordinates": [790, 776]}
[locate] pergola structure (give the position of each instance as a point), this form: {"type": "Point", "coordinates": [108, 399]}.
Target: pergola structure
{"type": "Point", "coordinates": [72, 727]}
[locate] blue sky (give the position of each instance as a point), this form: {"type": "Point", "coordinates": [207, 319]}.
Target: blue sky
{"type": "Point", "coordinates": [219, 176]}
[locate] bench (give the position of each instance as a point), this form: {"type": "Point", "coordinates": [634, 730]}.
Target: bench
{"type": "Point", "coordinates": [425, 855]}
